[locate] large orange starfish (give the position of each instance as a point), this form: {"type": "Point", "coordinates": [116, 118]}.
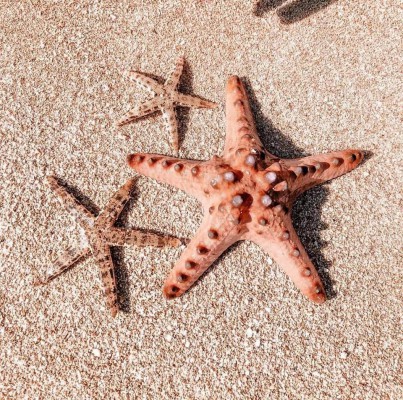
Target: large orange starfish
{"type": "Point", "coordinates": [247, 194]}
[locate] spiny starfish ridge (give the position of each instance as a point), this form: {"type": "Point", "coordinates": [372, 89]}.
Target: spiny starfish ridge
{"type": "Point", "coordinates": [246, 194]}
{"type": "Point", "coordinates": [166, 98]}
{"type": "Point", "coordinates": [101, 234]}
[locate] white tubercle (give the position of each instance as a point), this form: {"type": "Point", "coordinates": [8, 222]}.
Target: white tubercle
{"type": "Point", "coordinates": [250, 160]}
{"type": "Point", "coordinates": [237, 200]}
{"type": "Point", "coordinates": [229, 176]}
{"type": "Point", "coordinates": [271, 176]}
{"type": "Point", "coordinates": [266, 200]}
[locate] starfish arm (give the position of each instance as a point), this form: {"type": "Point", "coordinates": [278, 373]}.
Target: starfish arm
{"type": "Point", "coordinates": [281, 242]}
{"type": "Point", "coordinates": [313, 170]}
{"type": "Point", "coordinates": [173, 80]}
{"type": "Point", "coordinates": [186, 175]}
{"type": "Point", "coordinates": [186, 100]}
{"type": "Point", "coordinates": [64, 262]}
{"type": "Point", "coordinates": [129, 237]}
{"type": "Point", "coordinates": [72, 205]}
{"type": "Point", "coordinates": [146, 82]}
{"type": "Point", "coordinates": [148, 107]}
{"type": "Point", "coordinates": [102, 254]}
{"type": "Point", "coordinates": [111, 212]}
{"type": "Point", "coordinates": [241, 131]}
{"type": "Point", "coordinates": [214, 236]}
{"type": "Point", "coordinates": [168, 112]}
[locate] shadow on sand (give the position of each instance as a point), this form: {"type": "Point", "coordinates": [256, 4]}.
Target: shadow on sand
{"type": "Point", "coordinates": [306, 211]}
{"type": "Point", "coordinates": [117, 252]}
{"type": "Point", "coordinates": [295, 11]}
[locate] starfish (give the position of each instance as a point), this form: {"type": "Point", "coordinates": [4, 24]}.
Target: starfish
{"type": "Point", "coordinates": [165, 99]}
{"type": "Point", "coordinates": [101, 234]}
{"type": "Point", "coordinates": [246, 194]}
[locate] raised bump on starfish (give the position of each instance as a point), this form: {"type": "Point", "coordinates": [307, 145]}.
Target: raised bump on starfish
{"type": "Point", "coordinates": [241, 131]}
{"type": "Point", "coordinates": [168, 169]}
{"type": "Point", "coordinates": [101, 235]}
{"type": "Point", "coordinates": [246, 194]}
{"type": "Point", "coordinates": [313, 170]}
{"type": "Point", "coordinates": [166, 98]}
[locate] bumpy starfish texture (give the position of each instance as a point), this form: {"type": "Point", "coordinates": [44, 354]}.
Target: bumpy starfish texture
{"type": "Point", "coordinates": [165, 99]}
{"type": "Point", "coordinates": [246, 194]}
{"type": "Point", "coordinates": [101, 235]}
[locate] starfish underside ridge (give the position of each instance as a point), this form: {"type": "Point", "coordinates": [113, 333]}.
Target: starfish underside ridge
{"type": "Point", "coordinates": [101, 234]}
{"type": "Point", "coordinates": [166, 98]}
{"type": "Point", "coordinates": [246, 194]}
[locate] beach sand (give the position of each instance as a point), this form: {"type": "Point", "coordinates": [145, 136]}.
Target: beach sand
{"type": "Point", "coordinates": [321, 79]}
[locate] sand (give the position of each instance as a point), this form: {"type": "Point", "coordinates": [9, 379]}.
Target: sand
{"type": "Point", "coordinates": [324, 81]}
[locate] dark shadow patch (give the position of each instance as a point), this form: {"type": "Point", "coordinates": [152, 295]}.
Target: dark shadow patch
{"type": "Point", "coordinates": [80, 196]}
{"type": "Point", "coordinates": [367, 156]}
{"type": "Point", "coordinates": [306, 218]}
{"type": "Point", "coordinates": [122, 274]}
{"type": "Point", "coordinates": [301, 9]}
{"type": "Point", "coordinates": [118, 253]}
{"type": "Point", "coordinates": [263, 6]}
{"type": "Point", "coordinates": [122, 279]}
{"type": "Point", "coordinates": [185, 86]}
{"type": "Point", "coordinates": [272, 139]}
{"type": "Point", "coordinates": [295, 11]}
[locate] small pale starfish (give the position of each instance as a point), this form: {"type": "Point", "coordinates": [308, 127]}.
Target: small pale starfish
{"type": "Point", "coordinates": [246, 194]}
{"type": "Point", "coordinates": [165, 99]}
{"type": "Point", "coordinates": [101, 235]}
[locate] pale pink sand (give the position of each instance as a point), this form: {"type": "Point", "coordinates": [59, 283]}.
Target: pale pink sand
{"type": "Point", "coordinates": [328, 82]}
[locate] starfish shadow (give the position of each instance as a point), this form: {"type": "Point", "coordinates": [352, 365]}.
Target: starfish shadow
{"type": "Point", "coordinates": [185, 86]}
{"type": "Point", "coordinates": [295, 11]}
{"type": "Point", "coordinates": [118, 254]}
{"type": "Point", "coordinates": [264, 6]}
{"type": "Point", "coordinates": [122, 277]}
{"type": "Point", "coordinates": [80, 196]}
{"type": "Point", "coordinates": [306, 214]}
{"type": "Point", "coordinates": [368, 154]}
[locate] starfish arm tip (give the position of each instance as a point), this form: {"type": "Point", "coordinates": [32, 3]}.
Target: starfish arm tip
{"type": "Point", "coordinates": [232, 82]}
{"type": "Point", "coordinates": [167, 292]}
{"type": "Point", "coordinates": [320, 300]}
{"type": "Point", "coordinates": [130, 159]}
{"type": "Point", "coordinates": [38, 282]}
